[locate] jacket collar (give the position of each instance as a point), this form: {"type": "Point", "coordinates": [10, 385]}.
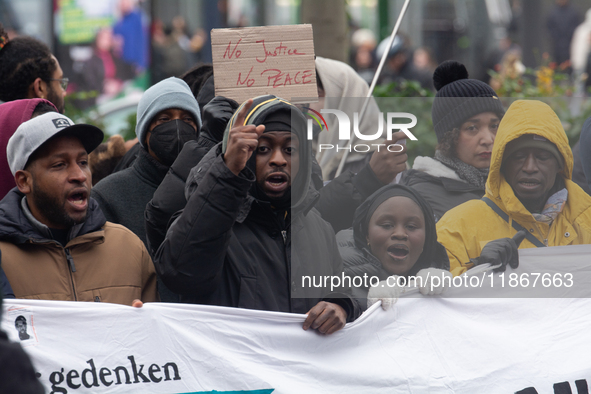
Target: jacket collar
{"type": "Point", "coordinates": [149, 169]}
{"type": "Point", "coordinates": [576, 204]}
{"type": "Point", "coordinates": [18, 225]}
{"type": "Point", "coordinates": [43, 229]}
{"type": "Point", "coordinates": [435, 168]}
{"type": "Point", "coordinates": [449, 184]}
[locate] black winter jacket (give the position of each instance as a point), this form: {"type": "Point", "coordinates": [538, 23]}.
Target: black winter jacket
{"type": "Point", "coordinates": [441, 192]}
{"type": "Point", "coordinates": [359, 263]}
{"type": "Point", "coordinates": [340, 197]}
{"type": "Point", "coordinates": [169, 198]}
{"type": "Point", "coordinates": [123, 196]}
{"type": "Point", "coordinates": [230, 249]}
{"type": "Point", "coordinates": [337, 202]}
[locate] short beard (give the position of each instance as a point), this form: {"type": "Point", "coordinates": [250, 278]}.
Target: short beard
{"type": "Point", "coordinates": [56, 99]}
{"type": "Point", "coordinates": [51, 209]}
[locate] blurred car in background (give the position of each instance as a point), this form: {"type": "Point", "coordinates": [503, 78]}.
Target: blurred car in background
{"type": "Point", "coordinates": [118, 116]}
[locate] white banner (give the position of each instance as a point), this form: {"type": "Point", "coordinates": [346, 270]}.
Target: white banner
{"type": "Point", "coordinates": [424, 344]}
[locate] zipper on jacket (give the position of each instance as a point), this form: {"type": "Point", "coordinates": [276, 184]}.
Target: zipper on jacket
{"type": "Point", "coordinates": [70, 260]}
{"type": "Point", "coordinates": [72, 269]}
{"type": "Point", "coordinates": [288, 262]}
{"type": "Point", "coordinates": [97, 299]}
{"type": "Point", "coordinates": [544, 240]}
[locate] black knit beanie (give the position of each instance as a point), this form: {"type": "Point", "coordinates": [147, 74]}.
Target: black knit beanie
{"type": "Point", "coordinates": [462, 98]}
{"type": "Point", "coordinates": [278, 121]}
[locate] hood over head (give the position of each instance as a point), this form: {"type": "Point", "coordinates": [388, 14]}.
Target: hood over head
{"type": "Point", "coordinates": [12, 115]}
{"type": "Point", "coordinates": [528, 117]}
{"type": "Point", "coordinates": [344, 90]}
{"type": "Point", "coordinates": [270, 108]}
{"type": "Point", "coordinates": [434, 254]}
{"type": "Point", "coordinates": [206, 93]}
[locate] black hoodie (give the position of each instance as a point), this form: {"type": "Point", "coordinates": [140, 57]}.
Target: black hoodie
{"type": "Point", "coordinates": [229, 248]}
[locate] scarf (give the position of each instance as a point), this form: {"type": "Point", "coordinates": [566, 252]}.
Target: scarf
{"type": "Point", "coordinates": [552, 208]}
{"type": "Point", "coordinates": [472, 175]}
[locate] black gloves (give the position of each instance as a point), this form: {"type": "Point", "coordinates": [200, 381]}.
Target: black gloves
{"type": "Point", "coordinates": [216, 114]}
{"type": "Point", "coordinates": [501, 251]}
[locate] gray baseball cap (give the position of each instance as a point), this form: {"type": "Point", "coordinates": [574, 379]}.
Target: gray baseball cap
{"type": "Point", "coordinates": [35, 132]}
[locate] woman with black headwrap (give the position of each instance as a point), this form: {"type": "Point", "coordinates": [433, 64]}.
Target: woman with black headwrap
{"type": "Point", "coordinates": [393, 234]}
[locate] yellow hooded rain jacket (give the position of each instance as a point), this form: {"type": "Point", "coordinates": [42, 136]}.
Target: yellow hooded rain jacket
{"type": "Point", "coordinates": [465, 229]}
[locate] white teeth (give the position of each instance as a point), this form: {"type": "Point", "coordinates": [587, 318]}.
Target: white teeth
{"type": "Point", "coordinates": [77, 199]}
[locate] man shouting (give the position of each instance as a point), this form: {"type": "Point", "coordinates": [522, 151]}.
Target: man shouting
{"type": "Point", "coordinates": [248, 202]}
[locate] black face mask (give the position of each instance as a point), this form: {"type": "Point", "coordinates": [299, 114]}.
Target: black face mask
{"type": "Point", "coordinates": [167, 140]}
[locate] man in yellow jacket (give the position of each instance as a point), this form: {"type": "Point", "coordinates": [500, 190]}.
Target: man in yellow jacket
{"type": "Point", "coordinates": [529, 187]}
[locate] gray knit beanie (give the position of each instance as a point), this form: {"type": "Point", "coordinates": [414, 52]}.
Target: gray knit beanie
{"type": "Point", "coordinates": [169, 93]}
{"type": "Point", "coordinates": [459, 98]}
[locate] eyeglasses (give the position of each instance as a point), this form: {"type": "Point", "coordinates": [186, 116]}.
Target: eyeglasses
{"type": "Point", "coordinates": [63, 82]}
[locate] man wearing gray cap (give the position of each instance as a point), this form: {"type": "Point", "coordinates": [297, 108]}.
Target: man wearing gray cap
{"type": "Point", "coordinates": [56, 243]}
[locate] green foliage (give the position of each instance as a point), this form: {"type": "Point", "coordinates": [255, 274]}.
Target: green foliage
{"type": "Point", "coordinates": [543, 81]}
{"type": "Point", "coordinates": [129, 132]}
{"type": "Point", "coordinates": [573, 124]}
{"type": "Point", "coordinates": [547, 83]}
{"type": "Point", "coordinates": [402, 89]}
{"type": "Point", "coordinates": [551, 84]}
{"type": "Point", "coordinates": [82, 116]}
{"type": "Point", "coordinates": [91, 116]}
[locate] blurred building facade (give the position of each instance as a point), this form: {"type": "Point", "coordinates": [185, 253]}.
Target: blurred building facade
{"type": "Point", "coordinates": [466, 30]}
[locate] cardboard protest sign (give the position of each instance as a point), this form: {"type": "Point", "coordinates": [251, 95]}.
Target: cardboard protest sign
{"type": "Point", "coordinates": [254, 61]}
